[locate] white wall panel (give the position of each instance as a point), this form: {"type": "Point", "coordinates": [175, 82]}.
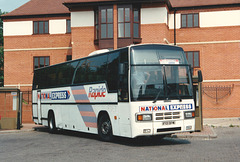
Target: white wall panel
{"type": "Point", "coordinates": [57, 26]}
{"type": "Point", "coordinates": [220, 18]}
{"type": "Point", "coordinates": [82, 19]}
{"type": "Point", "coordinates": [154, 15]}
{"type": "Point", "coordinates": [171, 21]}
{"type": "Point", "coordinates": [17, 28]}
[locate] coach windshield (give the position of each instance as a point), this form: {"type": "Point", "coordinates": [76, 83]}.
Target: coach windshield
{"type": "Point", "coordinates": [159, 73]}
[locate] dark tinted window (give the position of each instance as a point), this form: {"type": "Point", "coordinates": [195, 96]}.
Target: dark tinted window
{"type": "Point", "coordinates": [112, 72]}
{"type": "Point", "coordinates": [59, 75]}
{"type": "Point", "coordinates": [96, 69]}
{"type": "Point", "coordinates": [80, 73]}
{"type": "Point", "coordinates": [65, 73]}
{"type": "Point", "coordinates": [123, 78]}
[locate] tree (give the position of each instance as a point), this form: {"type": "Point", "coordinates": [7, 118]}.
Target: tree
{"type": "Point", "coordinates": [1, 29]}
{"type": "Point", "coordinates": [1, 49]}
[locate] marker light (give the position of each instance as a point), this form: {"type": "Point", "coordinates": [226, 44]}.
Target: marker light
{"type": "Point", "coordinates": [144, 117]}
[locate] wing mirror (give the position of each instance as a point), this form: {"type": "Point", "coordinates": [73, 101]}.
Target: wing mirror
{"type": "Point", "coordinates": [200, 77]}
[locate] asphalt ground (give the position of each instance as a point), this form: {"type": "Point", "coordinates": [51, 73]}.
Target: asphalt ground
{"type": "Point", "coordinates": [207, 132]}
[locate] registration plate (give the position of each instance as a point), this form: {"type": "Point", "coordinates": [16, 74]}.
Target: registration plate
{"type": "Point", "coordinates": [168, 123]}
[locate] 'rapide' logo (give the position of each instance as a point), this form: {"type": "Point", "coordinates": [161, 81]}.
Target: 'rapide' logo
{"type": "Point", "coordinates": [97, 92]}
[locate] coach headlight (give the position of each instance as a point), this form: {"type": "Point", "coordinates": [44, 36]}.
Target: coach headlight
{"type": "Point", "coordinates": [189, 114]}
{"type": "Point", "coordinates": [144, 117]}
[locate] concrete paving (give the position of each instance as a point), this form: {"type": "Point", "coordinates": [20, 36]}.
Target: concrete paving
{"type": "Point", "coordinates": [222, 122]}
{"type": "Point", "coordinates": [208, 128]}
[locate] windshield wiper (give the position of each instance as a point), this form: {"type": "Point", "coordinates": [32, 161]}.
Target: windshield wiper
{"type": "Point", "coordinates": [155, 100]}
{"type": "Point", "coordinates": [165, 86]}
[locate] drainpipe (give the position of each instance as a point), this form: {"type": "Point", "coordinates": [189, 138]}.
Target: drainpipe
{"type": "Point", "coordinates": [175, 41]}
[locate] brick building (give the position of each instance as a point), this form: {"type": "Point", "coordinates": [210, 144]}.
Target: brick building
{"type": "Point", "coordinates": [46, 32]}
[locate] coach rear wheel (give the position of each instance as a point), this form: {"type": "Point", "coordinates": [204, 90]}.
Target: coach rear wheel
{"type": "Point", "coordinates": [105, 128]}
{"type": "Point", "coordinates": [51, 123]}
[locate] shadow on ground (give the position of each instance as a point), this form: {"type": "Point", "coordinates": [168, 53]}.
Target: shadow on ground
{"type": "Point", "coordinates": [136, 142]}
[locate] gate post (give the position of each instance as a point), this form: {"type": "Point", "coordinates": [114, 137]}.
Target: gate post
{"type": "Point", "coordinates": [197, 90]}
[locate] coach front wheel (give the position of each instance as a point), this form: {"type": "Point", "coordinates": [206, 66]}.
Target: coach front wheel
{"type": "Point", "coordinates": [105, 128]}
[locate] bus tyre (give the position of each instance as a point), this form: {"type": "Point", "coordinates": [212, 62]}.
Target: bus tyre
{"type": "Point", "coordinates": [51, 123]}
{"type": "Point", "coordinates": [105, 128]}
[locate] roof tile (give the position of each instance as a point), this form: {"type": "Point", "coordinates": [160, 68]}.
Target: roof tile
{"type": "Point", "coordinates": [40, 7]}
{"type": "Point", "coordinates": [194, 3]}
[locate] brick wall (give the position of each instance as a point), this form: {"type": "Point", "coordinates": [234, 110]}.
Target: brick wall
{"type": "Point", "coordinates": [154, 33]}
{"type": "Point", "coordinates": [219, 62]}
{"type": "Point", "coordinates": [221, 100]}
{"type": "Point", "coordinates": [205, 34]}
{"type": "Point", "coordinates": [83, 41]}
{"type": "Point", "coordinates": [18, 68]}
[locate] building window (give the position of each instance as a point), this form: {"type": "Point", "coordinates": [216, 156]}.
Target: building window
{"type": "Point", "coordinates": [128, 21]}
{"type": "Point", "coordinates": [193, 58]}
{"type": "Point", "coordinates": [124, 24]}
{"type": "Point", "coordinates": [69, 57]}
{"type": "Point", "coordinates": [41, 61]}
{"type": "Point", "coordinates": [128, 26]}
{"type": "Point", "coordinates": [40, 27]}
{"type": "Point", "coordinates": [106, 22]}
{"type": "Point", "coordinates": [136, 23]}
{"type": "Point", "coordinates": [68, 26]}
{"type": "Point", "coordinates": [96, 25]}
{"type": "Point", "coordinates": [190, 20]}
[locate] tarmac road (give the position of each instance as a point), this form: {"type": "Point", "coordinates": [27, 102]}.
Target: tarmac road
{"type": "Point", "coordinates": [73, 146]}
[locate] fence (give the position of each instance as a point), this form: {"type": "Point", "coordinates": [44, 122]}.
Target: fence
{"type": "Point", "coordinates": [27, 107]}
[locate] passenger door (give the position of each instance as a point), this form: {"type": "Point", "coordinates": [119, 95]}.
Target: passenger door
{"type": "Point", "coordinates": [39, 108]}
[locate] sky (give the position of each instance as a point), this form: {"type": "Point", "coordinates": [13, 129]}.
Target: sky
{"type": "Point", "coordinates": [10, 5]}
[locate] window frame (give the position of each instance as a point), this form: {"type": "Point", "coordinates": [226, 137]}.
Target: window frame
{"type": "Point", "coordinates": [38, 29]}
{"type": "Point", "coordinates": [193, 20]}
{"type": "Point", "coordinates": [38, 57]}
{"type": "Point", "coordinates": [193, 56]}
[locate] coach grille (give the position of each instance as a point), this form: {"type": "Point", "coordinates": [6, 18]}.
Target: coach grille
{"type": "Point", "coordinates": [168, 116]}
{"type": "Point", "coordinates": [169, 129]}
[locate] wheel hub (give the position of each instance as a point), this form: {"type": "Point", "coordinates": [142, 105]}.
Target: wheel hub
{"type": "Point", "coordinates": [105, 127]}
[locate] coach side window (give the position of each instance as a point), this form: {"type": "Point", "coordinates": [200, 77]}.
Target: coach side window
{"type": "Point", "coordinates": [96, 69]}
{"type": "Point", "coordinates": [80, 73]}
{"type": "Point", "coordinates": [66, 72]}
{"type": "Point", "coordinates": [112, 71]}
{"type": "Point", "coordinates": [123, 78]}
